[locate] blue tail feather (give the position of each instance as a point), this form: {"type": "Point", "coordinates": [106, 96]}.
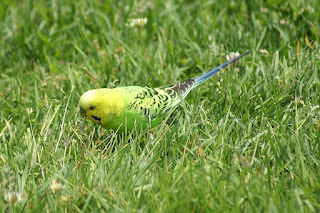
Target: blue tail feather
{"type": "Point", "coordinates": [202, 78]}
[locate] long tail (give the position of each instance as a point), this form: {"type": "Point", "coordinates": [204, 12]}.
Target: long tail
{"type": "Point", "coordinates": [202, 78]}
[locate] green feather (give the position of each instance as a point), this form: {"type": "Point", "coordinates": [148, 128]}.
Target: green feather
{"type": "Point", "coordinates": [144, 106]}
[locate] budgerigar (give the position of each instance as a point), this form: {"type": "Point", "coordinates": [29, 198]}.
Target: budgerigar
{"type": "Point", "coordinates": [136, 106]}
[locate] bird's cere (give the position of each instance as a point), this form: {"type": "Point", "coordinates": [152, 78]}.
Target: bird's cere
{"type": "Point", "coordinates": [82, 111]}
{"type": "Point", "coordinates": [137, 22]}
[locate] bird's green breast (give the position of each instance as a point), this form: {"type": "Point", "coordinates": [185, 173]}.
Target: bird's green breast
{"type": "Point", "coordinates": [143, 107]}
{"type": "Point", "coordinates": [129, 121]}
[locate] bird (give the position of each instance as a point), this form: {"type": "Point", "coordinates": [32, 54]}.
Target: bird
{"type": "Point", "coordinates": [139, 107]}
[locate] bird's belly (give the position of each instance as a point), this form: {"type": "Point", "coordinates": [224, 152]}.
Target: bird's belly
{"type": "Point", "coordinates": [130, 122]}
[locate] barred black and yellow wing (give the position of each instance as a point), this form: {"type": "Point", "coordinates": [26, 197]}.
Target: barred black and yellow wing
{"type": "Point", "coordinates": [150, 102]}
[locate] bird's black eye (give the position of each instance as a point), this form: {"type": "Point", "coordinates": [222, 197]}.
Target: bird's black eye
{"type": "Point", "coordinates": [92, 107]}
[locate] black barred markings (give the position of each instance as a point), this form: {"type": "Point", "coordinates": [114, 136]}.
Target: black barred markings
{"type": "Point", "coordinates": [172, 93]}
{"type": "Point", "coordinates": [184, 86]}
{"type": "Point", "coordinates": [151, 103]}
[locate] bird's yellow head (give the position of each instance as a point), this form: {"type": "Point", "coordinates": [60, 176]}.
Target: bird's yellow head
{"type": "Point", "coordinates": [102, 106]}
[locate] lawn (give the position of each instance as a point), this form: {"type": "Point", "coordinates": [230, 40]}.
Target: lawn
{"type": "Point", "coordinates": [247, 140]}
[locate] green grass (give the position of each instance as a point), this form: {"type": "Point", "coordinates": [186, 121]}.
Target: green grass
{"type": "Point", "coordinates": [249, 143]}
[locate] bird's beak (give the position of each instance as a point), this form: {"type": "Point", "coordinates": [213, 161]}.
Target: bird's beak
{"type": "Point", "coordinates": [82, 111]}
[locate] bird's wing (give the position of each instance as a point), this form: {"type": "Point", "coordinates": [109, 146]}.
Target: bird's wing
{"type": "Point", "coordinates": [182, 89]}
{"type": "Point", "coordinates": [154, 102]}
{"type": "Point", "coordinates": [150, 102]}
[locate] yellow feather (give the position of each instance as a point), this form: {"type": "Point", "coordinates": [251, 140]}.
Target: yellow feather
{"type": "Point", "coordinates": [102, 106]}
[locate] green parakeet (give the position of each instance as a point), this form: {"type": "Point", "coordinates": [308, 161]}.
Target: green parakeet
{"type": "Point", "coordinates": [136, 106]}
